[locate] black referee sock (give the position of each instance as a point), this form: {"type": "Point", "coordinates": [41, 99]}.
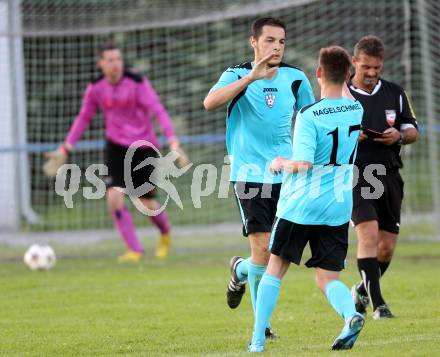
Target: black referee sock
{"type": "Point", "coordinates": [370, 273]}
{"type": "Point", "coordinates": [383, 266]}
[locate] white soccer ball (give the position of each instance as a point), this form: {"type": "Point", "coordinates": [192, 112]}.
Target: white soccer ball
{"type": "Point", "coordinates": [39, 257]}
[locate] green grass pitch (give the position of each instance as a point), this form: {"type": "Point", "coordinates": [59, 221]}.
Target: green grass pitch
{"type": "Point", "coordinates": [89, 305]}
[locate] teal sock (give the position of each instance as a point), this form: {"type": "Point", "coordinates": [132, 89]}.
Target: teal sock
{"type": "Point", "coordinates": [267, 299]}
{"type": "Point", "coordinates": [255, 272]}
{"type": "Point", "coordinates": [339, 297]}
{"type": "Point", "coordinates": [242, 269]}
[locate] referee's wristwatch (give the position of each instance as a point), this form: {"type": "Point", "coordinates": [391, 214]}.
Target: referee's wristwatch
{"type": "Point", "coordinates": [400, 142]}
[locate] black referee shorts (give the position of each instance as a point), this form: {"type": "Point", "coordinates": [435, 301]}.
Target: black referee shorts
{"type": "Point", "coordinates": [257, 203]}
{"type": "Point", "coordinates": [328, 244]}
{"type": "Point", "coordinates": [114, 156]}
{"type": "Point", "coordinates": [385, 209]}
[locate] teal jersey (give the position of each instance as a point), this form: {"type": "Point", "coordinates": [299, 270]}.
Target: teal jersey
{"type": "Point", "coordinates": [259, 120]}
{"type": "Point", "coordinates": [326, 135]}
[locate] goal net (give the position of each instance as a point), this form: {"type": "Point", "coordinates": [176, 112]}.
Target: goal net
{"type": "Point", "coordinates": [48, 54]}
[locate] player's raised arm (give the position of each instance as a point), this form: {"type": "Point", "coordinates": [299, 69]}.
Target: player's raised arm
{"type": "Point", "coordinates": [88, 109]}
{"type": "Point", "coordinates": [221, 96]}
{"type": "Point", "coordinates": [55, 159]}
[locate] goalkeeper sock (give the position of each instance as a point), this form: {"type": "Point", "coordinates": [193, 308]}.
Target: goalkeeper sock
{"type": "Point", "coordinates": [162, 222]}
{"type": "Point", "coordinates": [383, 267]}
{"type": "Point", "coordinates": [124, 224]}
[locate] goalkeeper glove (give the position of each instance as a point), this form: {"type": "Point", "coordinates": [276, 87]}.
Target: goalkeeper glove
{"type": "Point", "coordinates": [54, 160]}
{"type": "Point", "coordinates": [182, 160]}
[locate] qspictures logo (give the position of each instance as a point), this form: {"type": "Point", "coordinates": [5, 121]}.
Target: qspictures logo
{"type": "Point", "coordinates": [208, 180]}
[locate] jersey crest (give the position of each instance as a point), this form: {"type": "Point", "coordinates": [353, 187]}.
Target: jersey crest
{"type": "Point", "coordinates": [390, 115]}
{"type": "Point", "coordinates": [270, 99]}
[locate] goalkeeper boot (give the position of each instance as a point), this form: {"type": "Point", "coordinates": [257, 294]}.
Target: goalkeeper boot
{"type": "Point", "coordinates": [163, 246]}
{"type": "Point", "coordinates": [130, 257]}
{"type": "Point", "coordinates": [349, 333]}
{"type": "Point", "coordinates": [236, 289]}
{"type": "Point", "coordinates": [383, 312]}
{"type": "Point", "coordinates": [361, 302]}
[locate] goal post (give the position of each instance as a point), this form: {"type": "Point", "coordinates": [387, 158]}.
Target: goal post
{"type": "Point", "coordinates": [9, 195]}
{"type": "Point", "coordinates": [15, 183]}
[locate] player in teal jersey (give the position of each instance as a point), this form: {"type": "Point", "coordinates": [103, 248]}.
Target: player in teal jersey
{"type": "Point", "coordinates": [261, 98]}
{"type": "Point", "coordinates": [316, 199]}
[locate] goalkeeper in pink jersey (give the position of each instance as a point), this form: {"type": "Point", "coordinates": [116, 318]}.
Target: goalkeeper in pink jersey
{"type": "Point", "coordinates": [129, 103]}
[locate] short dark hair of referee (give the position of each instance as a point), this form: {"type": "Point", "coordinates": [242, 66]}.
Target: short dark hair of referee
{"type": "Point", "coordinates": [388, 112]}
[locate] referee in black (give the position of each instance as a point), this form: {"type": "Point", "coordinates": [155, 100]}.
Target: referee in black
{"type": "Point", "coordinates": [388, 123]}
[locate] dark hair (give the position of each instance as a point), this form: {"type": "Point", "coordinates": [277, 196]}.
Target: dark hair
{"type": "Point", "coordinates": [371, 46]}
{"type": "Point", "coordinates": [108, 46]}
{"type": "Point", "coordinates": [257, 25]}
{"type": "Point", "coordinates": [335, 63]}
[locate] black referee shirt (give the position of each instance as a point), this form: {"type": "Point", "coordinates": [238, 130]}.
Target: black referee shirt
{"type": "Point", "coordinates": [386, 102]}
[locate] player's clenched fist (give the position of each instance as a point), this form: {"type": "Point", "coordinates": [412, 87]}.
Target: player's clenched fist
{"type": "Point", "coordinates": [276, 165]}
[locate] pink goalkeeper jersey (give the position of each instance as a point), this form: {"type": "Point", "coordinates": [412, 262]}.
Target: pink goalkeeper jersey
{"type": "Point", "coordinates": [128, 106]}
